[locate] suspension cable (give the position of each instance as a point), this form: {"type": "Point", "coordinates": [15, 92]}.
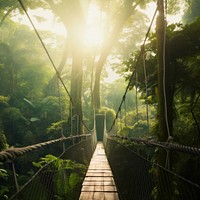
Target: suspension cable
{"type": "Point", "coordinates": [57, 72]}
{"type": "Point", "coordinates": [136, 66]}
{"type": "Point", "coordinates": [164, 73]}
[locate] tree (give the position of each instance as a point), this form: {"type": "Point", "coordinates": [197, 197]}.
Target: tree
{"type": "Point", "coordinates": [123, 13]}
{"type": "Point", "coordinates": [182, 74]}
{"type": "Point", "coordinates": [192, 11]}
{"type": "Point", "coordinates": [15, 125]}
{"type": "Point", "coordinates": [73, 16]}
{"type": "Point", "coordinates": [24, 75]}
{"type": "Point", "coordinates": [113, 93]}
{"type": "Point", "coordinates": [9, 7]}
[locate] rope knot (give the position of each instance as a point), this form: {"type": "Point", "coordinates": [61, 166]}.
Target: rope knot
{"type": "Point", "coordinates": [170, 139]}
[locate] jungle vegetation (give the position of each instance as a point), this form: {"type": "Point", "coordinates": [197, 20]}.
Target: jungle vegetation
{"type": "Point", "coordinates": [31, 96]}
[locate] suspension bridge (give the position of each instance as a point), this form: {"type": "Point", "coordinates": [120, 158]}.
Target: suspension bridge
{"type": "Point", "coordinates": [124, 170]}
{"type": "Point", "coordinates": [100, 164]}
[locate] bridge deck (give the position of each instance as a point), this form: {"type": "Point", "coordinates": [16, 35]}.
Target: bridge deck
{"type": "Point", "coordinates": [99, 183]}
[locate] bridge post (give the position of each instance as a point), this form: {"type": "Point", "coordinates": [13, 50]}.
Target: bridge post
{"type": "Point", "coordinates": [99, 126]}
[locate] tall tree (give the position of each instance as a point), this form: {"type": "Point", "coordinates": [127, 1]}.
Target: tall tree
{"type": "Point", "coordinates": [165, 101]}
{"type": "Point", "coordinates": [73, 16]}
{"type": "Point", "coordinates": [123, 13]}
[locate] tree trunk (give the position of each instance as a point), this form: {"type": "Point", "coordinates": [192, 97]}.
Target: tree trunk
{"type": "Point", "coordinates": [162, 132]}
{"type": "Point", "coordinates": [165, 107]}
{"type": "Point", "coordinates": [165, 80]}
{"type": "Point", "coordinates": [126, 12]}
{"type": "Point", "coordinates": [76, 89]}
{"type": "Point", "coordinates": [73, 16]}
{"type": "Point", "coordinates": [51, 88]}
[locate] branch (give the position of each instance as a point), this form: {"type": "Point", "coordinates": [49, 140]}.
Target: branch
{"type": "Point", "coordinates": [6, 15]}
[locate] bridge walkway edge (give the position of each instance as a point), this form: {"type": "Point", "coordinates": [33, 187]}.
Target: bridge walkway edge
{"type": "Point", "coordinates": [99, 183]}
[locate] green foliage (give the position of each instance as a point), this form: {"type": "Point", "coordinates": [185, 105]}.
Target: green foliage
{"type": "Point", "coordinates": [110, 115]}
{"type": "Point", "coordinates": [3, 173]}
{"type": "Point", "coordinates": [3, 141]}
{"type": "Point", "coordinates": [192, 11]}
{"type": "Point", "coordinates": [13, 114]}
{"type": "Point", "coordinates": [68, 175]}
{"type": "Point", "coordinates": [59, 163]}
{"type": "Point", "coordinates": [185, 130]}
{"type": "Point", "coordinates": [3, 102]}
{"type": "Point", "coordinates": [15, 125]}
{"type": "Point", "coordinates": [113, 95]}
{"type": "Point", "coordinates": [183, 64]}
{"type": "Point", "coordinates": [54, 130]}
{"type": "Point", "coordinates": [26, 111]}
{"type": "Point", "coordinates": [140, 129]}
{"type": "Point", "coordinates": [3, 176]}
{"type": "Point", "coordinates": [136, 123]}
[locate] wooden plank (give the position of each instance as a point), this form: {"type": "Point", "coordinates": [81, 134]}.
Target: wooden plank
{"type": "Point", "coordinates": [98, 196]}
{"type": "Point", "coordinates": [99, 174]}
{"type": "Point", "coordinates": [99, 183]}
{"type": "Point", "coordinates": [99, 188]}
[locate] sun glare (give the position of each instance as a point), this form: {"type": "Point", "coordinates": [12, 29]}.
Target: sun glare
{"type": "Point", "coordinates": [94, 32]}
{"type": "Point", "coordinates": [170, 18]}
{"type": "Point", "coordinates": [43, 20]}
{"type": "Point", "coordinates": [151, 7]}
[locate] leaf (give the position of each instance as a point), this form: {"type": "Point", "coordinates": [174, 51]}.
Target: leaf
{"type": "Point", "coordinates": [34, 119]}
{"type": "Point", "coordinates": [29, 102]}
{"type": "Point", "coordinates": [3, 173]}
{"type": "Point", "coordinates": [74, 179]}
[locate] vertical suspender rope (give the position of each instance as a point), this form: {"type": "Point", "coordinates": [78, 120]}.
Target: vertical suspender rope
{"type": "Point", "coordinates": [15, 176]}
{"type": "Point", "coordinates": [125, 112]}
{"type": "Point", "coordinates": [120, 113]}
{"type": "Point", "coordinates": [145, 77]}
{"type": "Point", "coordinates": [116, 127]}
{"type": "Point", "coordinates": [167, 163]}
{"type": "Point", "coordinates": [136, 96]}
{"type": "Point", "coordinates": [61, 114]}
{"type": "Point", "coordinates": [71, 118]}
{"type": "Point", "coordinates": [77, 124]}
{"type": "Point", "coordinates": [164, 76]}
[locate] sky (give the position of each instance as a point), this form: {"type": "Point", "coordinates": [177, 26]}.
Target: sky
{"type": "Point", "coordinates": [49, 22]}
{"type": "Point", "coordinates": [170, 18]}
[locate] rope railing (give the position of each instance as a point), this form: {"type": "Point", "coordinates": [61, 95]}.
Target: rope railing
{"type": "Point", "coordinates": [26, 181]}
{"type": "Point", "coordinates": [132, 161]}
{"type": "Point", "coordinates": [164, 145]}
{"type": "Point", "coordinates": [12, 153]}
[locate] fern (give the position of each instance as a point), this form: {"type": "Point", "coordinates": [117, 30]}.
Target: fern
{"type": "Point", "coordinates": [67, 175]}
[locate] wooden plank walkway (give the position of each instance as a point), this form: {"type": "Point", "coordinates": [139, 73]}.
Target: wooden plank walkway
{"type": "Point", "coordinates": [99, 183]}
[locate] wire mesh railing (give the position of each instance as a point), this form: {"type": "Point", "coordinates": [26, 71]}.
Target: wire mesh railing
{"type": "Point", "coordinates": [55, 176]}
{"type": "Point", "coordinates": [138, 175]}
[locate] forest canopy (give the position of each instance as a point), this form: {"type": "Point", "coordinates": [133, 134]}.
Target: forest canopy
{"type": "Point", "coordinates": [29, 87]}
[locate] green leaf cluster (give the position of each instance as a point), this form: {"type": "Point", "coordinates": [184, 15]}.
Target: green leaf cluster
{"type": "Point", "coordinates": [67, 175]}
